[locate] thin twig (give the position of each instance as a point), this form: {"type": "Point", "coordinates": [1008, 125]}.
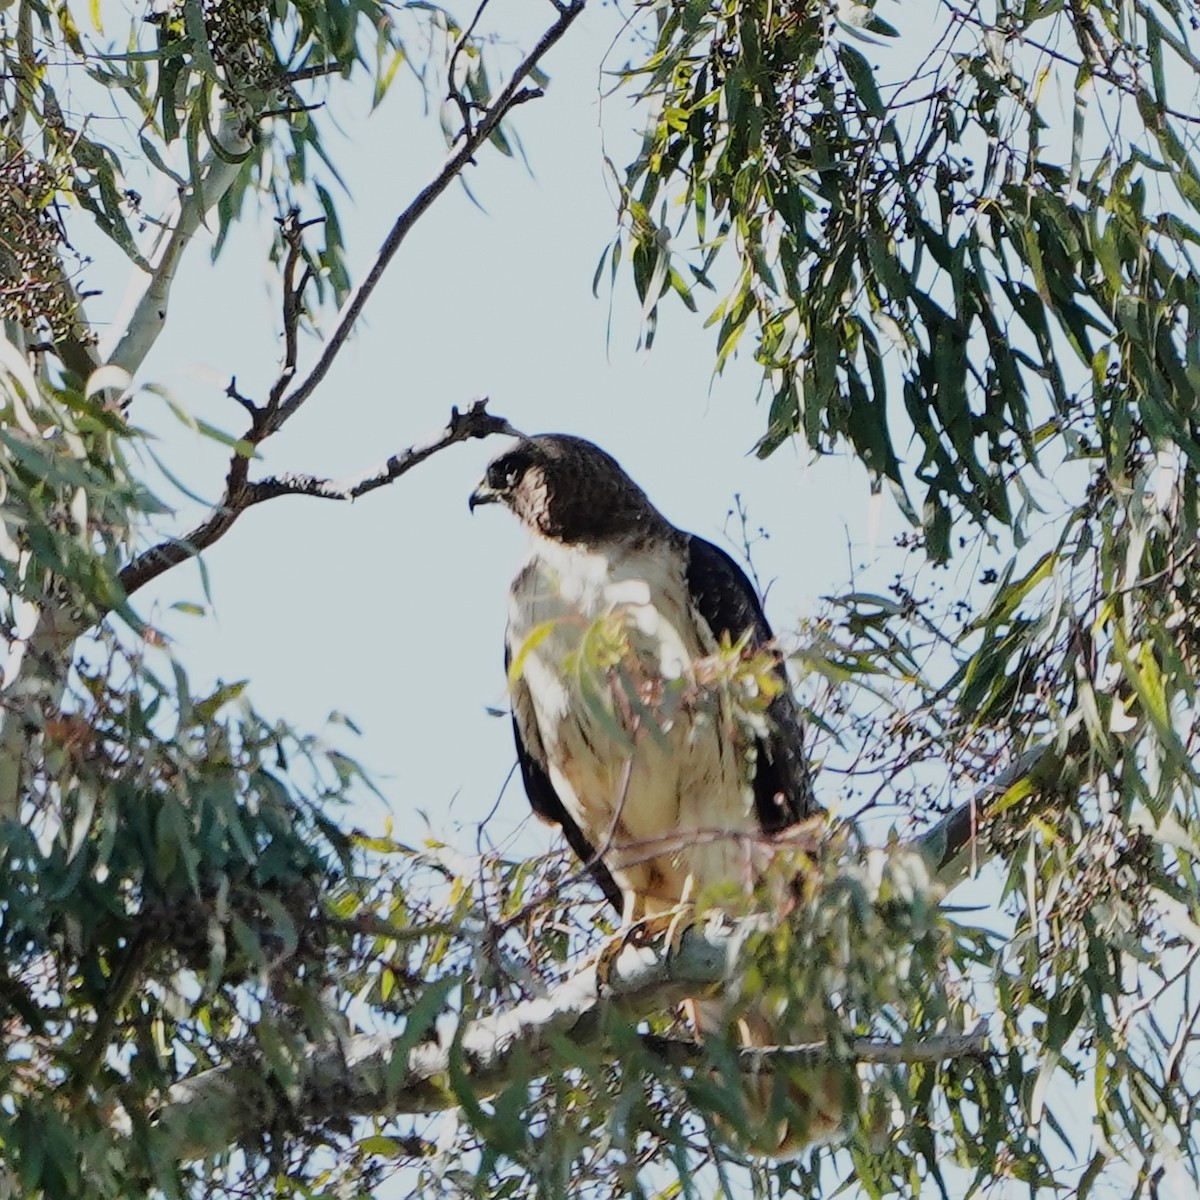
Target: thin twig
{"type": "Point", "coordinates": [232, 392]}
{"type": "Point", "coordinates": [453, 90]}
{"type": "Point", "coordinates": [1101, 67]}
{"type": "Point", "coordinates": [474, 423]}
{"type": "Point", "coordinates": [303, 73]}
{"type": "Point", "coordinates": [293, 304]}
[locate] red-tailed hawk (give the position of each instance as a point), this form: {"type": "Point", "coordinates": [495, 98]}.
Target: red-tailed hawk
{"type": "Point", "coordinates": [633, 729]}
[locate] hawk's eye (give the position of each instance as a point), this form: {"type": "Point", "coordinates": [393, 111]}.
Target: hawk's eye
{"type": "Point", "coordinates": [504, 474]}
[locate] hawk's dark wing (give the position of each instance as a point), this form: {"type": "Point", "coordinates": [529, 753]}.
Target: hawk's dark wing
{"type": "Point", "coordinates": [544, 801]}
{"type": "Point", "coordinates": [726, 600]}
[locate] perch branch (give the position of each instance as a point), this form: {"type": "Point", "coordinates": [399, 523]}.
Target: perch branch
{"type": "Point", "coordinates": [218, 1108]}
{"type": "Point", "coordinates": [222, 1106]}
{"type": "Point", "coordinates": [364, 1076]}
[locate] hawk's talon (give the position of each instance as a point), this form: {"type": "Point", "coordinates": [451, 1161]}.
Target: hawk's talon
{"type": "Point", "coordinates": [670, 925]}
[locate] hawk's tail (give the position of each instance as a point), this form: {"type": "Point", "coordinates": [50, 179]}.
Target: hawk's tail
{"type": "Point", "coordinates": [787, 1110]}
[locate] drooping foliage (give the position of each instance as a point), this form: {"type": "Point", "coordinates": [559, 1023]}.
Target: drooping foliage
{"type": "Point", "coordinates": [963, 245]}
{"type": "Point", "coordinates": [932, 264]}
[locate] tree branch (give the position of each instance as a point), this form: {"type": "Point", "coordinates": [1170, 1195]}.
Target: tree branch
{"type": "Point", "coordinates": [76, 346]}
{"type": "Point", "coordinates": [218, 1108]}
{"type": "Point", "coordinates": [37, 667]}
{"type": "Point", "coordinates": [294, 286]}
{"type": "Point", "coordinates": [957, 844]}
{"type": "Point", "coordinates": [216, 175]}
{"type": "Point", "coordinates": [475, 422]}
{"type": "Point", "coordinates": [225, 1105]}
{"type": "Point", "coordinates": [240, 494]}
{"type": "Point", "coordinates": [952, 846]}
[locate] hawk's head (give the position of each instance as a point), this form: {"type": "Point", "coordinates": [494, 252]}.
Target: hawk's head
{"type": "Point", "coordinates": [568, 489]}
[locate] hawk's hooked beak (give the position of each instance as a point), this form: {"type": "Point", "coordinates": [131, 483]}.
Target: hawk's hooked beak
{"type": "Point", "coordinates": [483, 495]}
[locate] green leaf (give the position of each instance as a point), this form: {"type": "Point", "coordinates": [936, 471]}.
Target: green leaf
{"type": "Point", "coordinates": [389, 1147]}
{"type": "Point", "coordinates": [193, 20]}
{"type": "Point", "coordinates": [861, 77]}
{"type": "Point", "coordinates": [418, 1023]}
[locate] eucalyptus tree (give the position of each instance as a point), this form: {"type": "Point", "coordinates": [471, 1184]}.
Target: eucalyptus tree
{"type": "Point", "coordinates": [961, 247]}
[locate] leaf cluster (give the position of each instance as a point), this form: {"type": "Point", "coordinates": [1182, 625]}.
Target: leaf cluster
{"type": "Point", "coordinates": [165, 866]}
{"type": "Point", "coordinates": [922, 259]}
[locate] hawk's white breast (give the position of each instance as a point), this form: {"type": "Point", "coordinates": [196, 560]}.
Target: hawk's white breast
{"type": "Point", "coordinates": [644, 756]}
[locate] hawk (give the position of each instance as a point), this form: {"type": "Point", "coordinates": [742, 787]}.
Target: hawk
{"type": "Point", "coordinates": [653, 718]}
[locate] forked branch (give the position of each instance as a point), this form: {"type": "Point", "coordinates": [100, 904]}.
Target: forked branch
{"type": "Point", "coordinates": [241, 494]}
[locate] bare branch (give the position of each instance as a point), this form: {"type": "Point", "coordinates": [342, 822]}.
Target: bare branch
{"type": "Point", "coordinates": [474, 423]}
{"type": "Point", "coordinates": [314, 72]}
{"type": "Point", "coordinates": [241, 494]}
{"type": "Point", "coordinates": [293, 306]}
{"type": "Point", "coordinates": [455, 92]}
{"type": "Point", "coordinates": [232, 392]}
{"type": "Point", "coordinates": [512, 95]}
